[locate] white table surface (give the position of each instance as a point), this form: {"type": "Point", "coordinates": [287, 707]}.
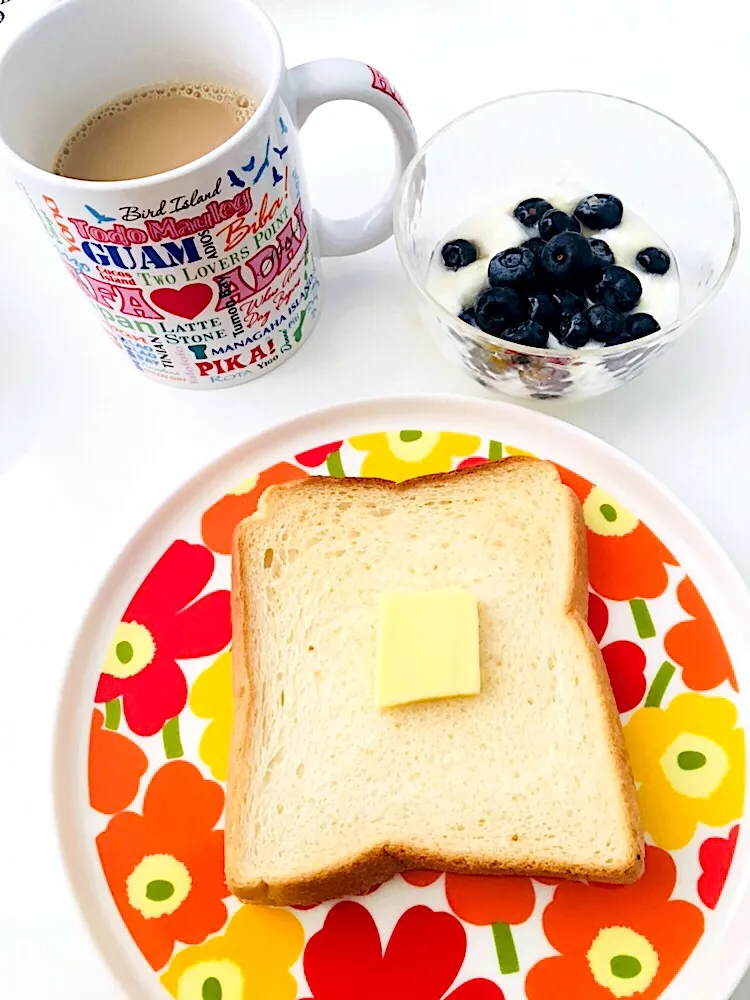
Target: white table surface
{"type": "Point", "coordinates": [88, 448]}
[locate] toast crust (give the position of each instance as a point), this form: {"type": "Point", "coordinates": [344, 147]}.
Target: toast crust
{"type": "Point", "coordinates": [365, 871]}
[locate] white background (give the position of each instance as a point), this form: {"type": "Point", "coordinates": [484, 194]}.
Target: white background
{"type": "Point", "coordinates": [88, 447]}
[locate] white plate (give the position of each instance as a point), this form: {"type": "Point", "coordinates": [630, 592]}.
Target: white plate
{"type": "Point", "coordinates": [722, 952]}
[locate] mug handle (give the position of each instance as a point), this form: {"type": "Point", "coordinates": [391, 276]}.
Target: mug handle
{"type": "Point", "coordinates": [311, 84]}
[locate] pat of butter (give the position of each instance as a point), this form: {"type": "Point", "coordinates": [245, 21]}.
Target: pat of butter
{"type": "Point", "coordinates": [428, 647]}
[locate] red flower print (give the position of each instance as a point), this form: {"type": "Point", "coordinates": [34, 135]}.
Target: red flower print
{"type": "Point", "coordinates": [696, 645]}
{"type": "Point", "coordinates": [116, 766]}
{"type": "Point", "coordinates": [221, 518]}
{"type": "Point", "coordinates": [626, 559]}
{"type": "Point", "coordinates": [498, 901]}
{"type": "Point", "coordinates": [420, 878]}
{"type": "Point", "coordinates": [625, 661]}
{"type": "Point", "coordinates": [616, 941]}
{"type": "Point", "coordinates": [165, 867]}
{"type": "Point", "coordinates": [598, 616]}
{"type": "Point", "coordinates": [345, 959]}
{"type": "Point", "coordinates": [468, 463]}
{"type": "Point", "coordinates": [316, 456]}
{"type": "Point", "coordinates": [160, 626]}
{"type": "Point", "coordinates": [715, 858]}
{"type": "Point", "coordinates": [312, 906]}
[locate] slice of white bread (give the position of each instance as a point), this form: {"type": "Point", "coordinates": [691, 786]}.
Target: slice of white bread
{"type": "Point", "coordinates": [327, 794]}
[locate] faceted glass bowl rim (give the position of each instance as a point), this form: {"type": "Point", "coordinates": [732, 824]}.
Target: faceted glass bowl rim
{"type": "Point", "coordinates": [679, 325]}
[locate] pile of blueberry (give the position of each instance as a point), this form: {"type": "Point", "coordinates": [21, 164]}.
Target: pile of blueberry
{"type": "Point", "coordinates": [560, 282]}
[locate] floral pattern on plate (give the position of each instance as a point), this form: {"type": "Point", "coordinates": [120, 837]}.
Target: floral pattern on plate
{"type": "Point", "coordinates": [159, 748]}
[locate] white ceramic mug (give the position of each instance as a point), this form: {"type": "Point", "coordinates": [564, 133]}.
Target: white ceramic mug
{"type": "Point", "coordinates": [207, 275]}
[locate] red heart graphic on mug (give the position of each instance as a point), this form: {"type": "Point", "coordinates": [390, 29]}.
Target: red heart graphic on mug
{"type": "Point", "coordinates": [186, 302]}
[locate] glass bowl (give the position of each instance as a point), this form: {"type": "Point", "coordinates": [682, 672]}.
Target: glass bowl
{"type": "Point", "coordinates": [579, 142]}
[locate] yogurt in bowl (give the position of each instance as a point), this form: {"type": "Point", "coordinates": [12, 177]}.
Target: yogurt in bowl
{"type": "Point", "coordinates": [676, 197]}
{"type": "Point", "coordinates": [497, 228]}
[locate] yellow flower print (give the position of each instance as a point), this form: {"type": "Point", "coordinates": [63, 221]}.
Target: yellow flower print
{"type": "Point", "coordinates": [211, 698]}
{"type": "Point", "coordinates": [130, 651]}
{"type": "Point", "coordinates": [623, 961]}
{"type": "Point", "coordinates": [605, 516]}
{"type": "Point", "coordinates": [157, 885]}
{"type": "Point", "coordinates": [400, 455]}
{"type": "Point", "coordinates": [689, 763]}
{"type": "Point", "coordinates": [249, 961]}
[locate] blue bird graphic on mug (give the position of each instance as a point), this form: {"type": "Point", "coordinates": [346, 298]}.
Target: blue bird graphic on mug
{"type": "Point", "coordinates": [98, 215]}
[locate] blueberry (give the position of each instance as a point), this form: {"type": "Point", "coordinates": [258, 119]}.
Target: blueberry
{"type": "Point", "coordinates": [602, 258]}
{"type": "Point", "coordinates": [458, 253]}
{"type": "Point", "coordinates": [530, 334]}
{"type": "Point", "coordinates": [498, 309]}
{"type": "Point", "coordinates": [467, 315]}
{"type": "Point", "coordinates": [569, 302]}
{"type": "Point", "coordinates": [514, 268]}
{"type": "Point", "coordinates": [535, 244]}
{"type": "Point", "coordinates": [639, 325]}
{"type": "Point", "coordinates": [653, 260]}
{"type": "Point", "coordinates": [607, 326]}
{"type": "Point", "coordinates": [530, 211]}
{"type": "Point", "coordinates": [619, 289]}
{"type": "Point", "coordinates": [599, 211]}
{"type": "Point", "coordinates": [554, 221]}
{"type": "Point", "coordinates": [575, 329]}
{"type": "Point", "coordinates": [566, 259]}
{"type": "Point", "coordinates": [602, 253]}
{"type": "Point", "coordinates": [543, 309]}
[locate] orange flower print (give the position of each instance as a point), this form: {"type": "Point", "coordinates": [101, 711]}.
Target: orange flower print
{"type": "Point", "coordinates": [696, 645]}
{"type": "Point", "coordinates": [116, 766]}
{"type": "Point", "coordinates": [220, 520]}
{"type": "Point", "coordinates": [580, 486]}
{"type": "Point", "coordinates": [486, 899]}
{"type": "Point", "coordinates": [165, 867]}
{"type": "Point", "coordinates": [626, 559]}
{"type": "Point", "coordinates": [617, 941]}
{"type": "Point", "coordinates": [498, 901]}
